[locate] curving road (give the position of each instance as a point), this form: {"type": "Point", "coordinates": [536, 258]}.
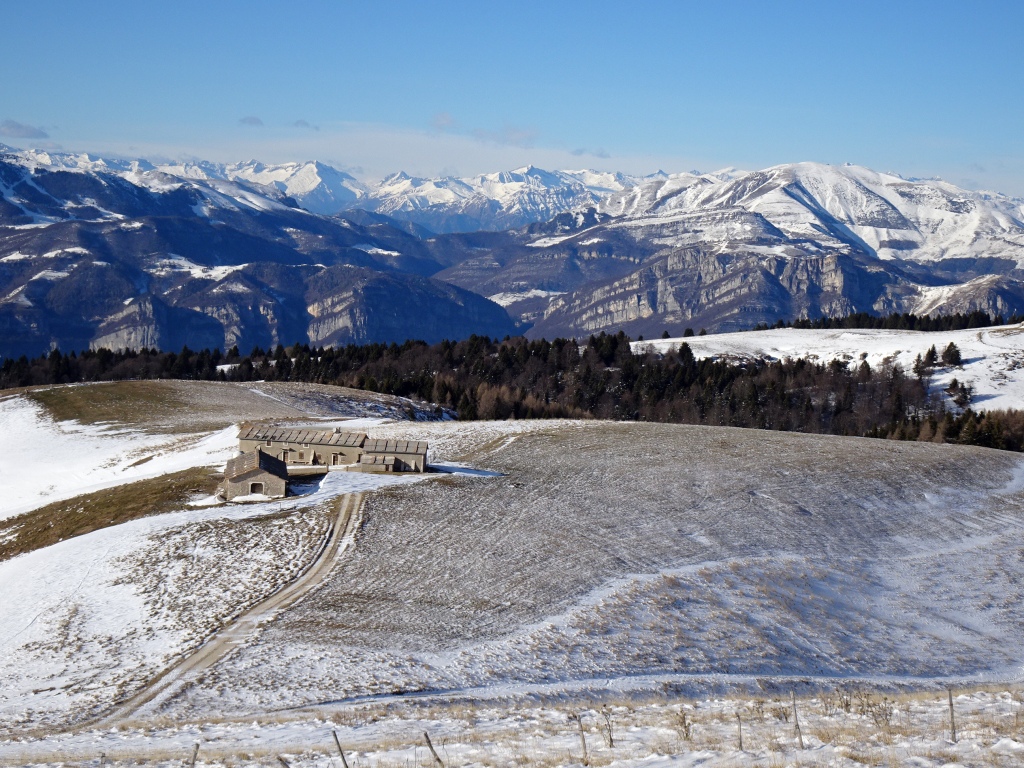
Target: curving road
{"type": "Point", "coordinates": [242, 629]}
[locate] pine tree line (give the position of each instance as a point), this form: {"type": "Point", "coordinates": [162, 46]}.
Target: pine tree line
{"type": "Point", "coordinates": [483, 378]}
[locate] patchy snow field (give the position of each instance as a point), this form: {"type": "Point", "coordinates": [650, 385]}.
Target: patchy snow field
{"type": "Point", "coordinates": [139, 430]}
{"type": "Point", "coordinates": [85, 622]}
{"type": "Point", "coordinates": [630, 555]}
{"type": "Point", "coordinates": [60, 460]}
{"type": "Point", "coordinates": [573, 566]}
{"type": "Point", "coordinates": [993, 358]}
{"type": "Point", "coordinates": [843, 729]}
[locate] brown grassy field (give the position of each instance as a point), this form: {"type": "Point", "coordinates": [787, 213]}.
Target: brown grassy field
{"type": "Point", "coordinates": [112, 506]}
{"type": "Point", "coordinates": [183, 407]}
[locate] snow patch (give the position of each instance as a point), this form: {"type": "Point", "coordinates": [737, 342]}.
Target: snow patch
{"type": "Point", "coordinates": [507, 298]}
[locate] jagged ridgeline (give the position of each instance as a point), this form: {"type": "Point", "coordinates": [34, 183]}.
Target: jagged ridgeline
{"type": "Point", "coordinates": [97, 253]}
{"type": "Point", "coordinates": [604, 378]}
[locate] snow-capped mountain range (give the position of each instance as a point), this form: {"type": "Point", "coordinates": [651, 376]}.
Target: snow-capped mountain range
{"type": "Point", "coordinates": [569, 252]}
{"type": "Point", "coordinates": [882, 213]}
{"type": "Point", "coordinates": [493, 201]}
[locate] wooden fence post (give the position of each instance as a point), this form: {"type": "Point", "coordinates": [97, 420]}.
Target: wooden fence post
{"type": "Point", "coordinates": [739, 729]}
{"type": "Point", "coordinates": [952, 717]}
{"type": "Point", "coordinates": [796, 721]}
{"type": "Point", "coordinates": [341, 752]}
{"type": "Point", "coordinates": [195, 754]}
{"type": "Point", "coordinates": [430, 746]}
{"type": "Point", "coordinates": [583, 739]}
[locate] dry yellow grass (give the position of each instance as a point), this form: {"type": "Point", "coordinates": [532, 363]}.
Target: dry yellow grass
{"type": "Point", "coordinates": [123, 402]}
{"type": "Point", "coordinates": [91, 512]}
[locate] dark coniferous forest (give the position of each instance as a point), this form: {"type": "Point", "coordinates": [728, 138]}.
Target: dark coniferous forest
{"type": "Point", "coordinates": [514, 378]}
{"type": "Point", "coordinates": [602, 378]}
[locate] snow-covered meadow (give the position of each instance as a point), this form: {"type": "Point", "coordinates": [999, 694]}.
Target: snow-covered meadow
{"type": "Point", "coordinates": [625, 556]}
{"type": "Point", "coordinates": [90, 619]}
{"type": "Point", "coordinates": [648, 569]}
{"type": "Point", "coordinates": [993, 358]}
{"type": "Point", "coordinates": [846, 728]}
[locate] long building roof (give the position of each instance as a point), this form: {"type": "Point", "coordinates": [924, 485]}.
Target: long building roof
{"type": "Point", "coordinates": [247, 462]}
{"type": "Point", "coordinates": [395, 446]}
{"type": "Point", "coordinates": [303, 436]}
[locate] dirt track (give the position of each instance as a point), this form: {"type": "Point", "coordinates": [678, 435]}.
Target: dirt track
{"type": "Point", "coordinates": [241, 630]}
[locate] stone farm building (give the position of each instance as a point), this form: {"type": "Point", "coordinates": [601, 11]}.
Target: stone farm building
{"type": "Point", "coordinates": [393, 456]}
{"type": "Point", "coordinates": [254, 473]}
{"type": "Point", "coordinates": [334, 448]}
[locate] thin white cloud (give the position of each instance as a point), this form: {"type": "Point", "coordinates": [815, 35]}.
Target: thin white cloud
{"type": "Point", "coordinates": [15, 130]}
{"type": "Point", "coordinates": [599, 152]}
{"type": "Point", "coordinates": [305, 124]}
{"type": "Point", "coordinates": [442, 121]}
{"type": "Point", "coordinates": [511, 135]}
{"type": "Point", "coordinates": [251, 120]}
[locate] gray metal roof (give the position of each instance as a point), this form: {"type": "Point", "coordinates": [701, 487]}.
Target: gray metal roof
{"type": "Point", "coordinates": [253, 460]}
{"type": "Point", "coordinates": [303, 436]}
{"type": "Point", "coordinates": [376, 458]}
{"type": "Point", "coordinates": [395, 446]}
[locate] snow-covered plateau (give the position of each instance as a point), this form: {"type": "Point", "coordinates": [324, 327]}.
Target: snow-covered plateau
{"type": "Point", "coordinates": [659, 580]}
{"type": "Point", "coordinates": [992, 358]}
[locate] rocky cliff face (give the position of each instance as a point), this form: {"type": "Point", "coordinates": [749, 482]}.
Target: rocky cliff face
{"type": "Point", "coordinates": [692, 288]}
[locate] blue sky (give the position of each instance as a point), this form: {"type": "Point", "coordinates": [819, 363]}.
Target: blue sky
{"type": "Point", "coordinates": [921, 88]}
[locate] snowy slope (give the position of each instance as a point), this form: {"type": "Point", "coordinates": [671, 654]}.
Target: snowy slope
{"type": "Point", "coordinates": [879, 213]}
{"type": "Point", "coordinates": [91, 457]}
{"type": "Point", "coordinates": [80, 621]}
{"type": "Point", "coordinates": [699, 559]}
{"type": "Point", "coordinates": [993, 358]}
{"type": "Point", "coordinates": [317, 187]}
{"type": "Point", "coordinates": [692, 560]}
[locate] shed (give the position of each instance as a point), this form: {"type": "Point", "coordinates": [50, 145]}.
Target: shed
{"type": "Point", "coordinates": [253, 473]}
{"type": "Point", "coordinates": [370, 462]}
{"type": "Point", "coordinates": [407, 455]}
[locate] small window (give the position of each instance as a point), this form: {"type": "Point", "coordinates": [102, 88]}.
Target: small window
{"type": "Point", "coordinates": [302, 456]}
{"type": "Point", "coordinates": [269, 441]}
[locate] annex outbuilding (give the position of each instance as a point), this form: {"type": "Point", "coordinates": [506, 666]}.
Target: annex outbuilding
{"type": "Point", "coordinates": [255, 473]}
{"type": "Point", "coordinates": [394, 456]}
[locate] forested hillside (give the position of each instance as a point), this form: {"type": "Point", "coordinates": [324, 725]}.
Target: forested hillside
{"type": "Point", "coordinates": [605, 378]}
